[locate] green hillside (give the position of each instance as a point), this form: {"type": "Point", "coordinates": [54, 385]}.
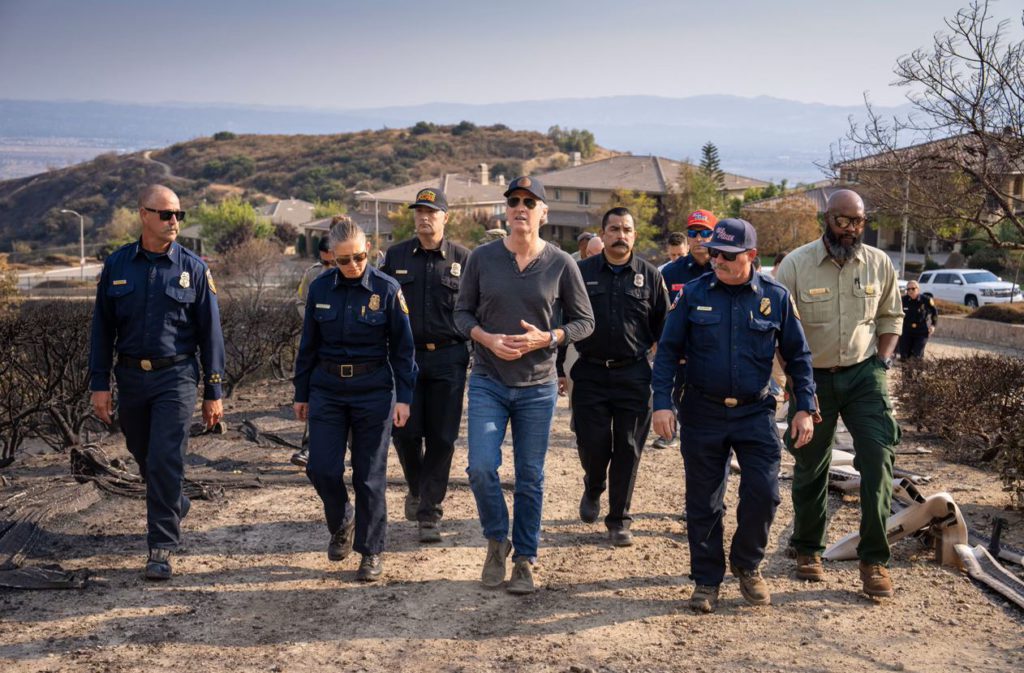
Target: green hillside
{"type": "Point", "coordinates": [260, 167]}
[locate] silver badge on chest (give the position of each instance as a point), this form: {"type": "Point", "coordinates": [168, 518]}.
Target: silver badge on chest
{"type": "Point", "coordinates": [638, 280]}
{"type": "Point", "coordinates": [183, 279]}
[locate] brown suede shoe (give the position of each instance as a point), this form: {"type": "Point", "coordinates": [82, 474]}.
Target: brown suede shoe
{"type": "Point", "coordinates": [752, 586]}
{"type": "Point", "coordinates": [875, 577]}
{"type": "Point", "coordinates": [809, 567]}
{"type": "Point", "coordinates": [704, 599]}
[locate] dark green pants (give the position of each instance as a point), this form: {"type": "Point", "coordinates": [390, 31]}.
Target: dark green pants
{"type": "Point", "coordinates": [860, 395]}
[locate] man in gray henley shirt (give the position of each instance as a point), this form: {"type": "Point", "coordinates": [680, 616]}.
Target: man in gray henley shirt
{"type": "Point", "coordinates": [520, 297]}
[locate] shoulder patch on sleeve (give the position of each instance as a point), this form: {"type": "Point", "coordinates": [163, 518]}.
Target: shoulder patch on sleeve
{"type": "Point", "coordinates": [401, 302]}
{"type": "Point", "coordinates": [209, 281]}
{"type": "Point", "coordinates": [796, 311]}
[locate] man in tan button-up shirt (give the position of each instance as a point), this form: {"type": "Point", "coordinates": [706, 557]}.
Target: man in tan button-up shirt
{"type": "Point", "coordinates": [849, 302]}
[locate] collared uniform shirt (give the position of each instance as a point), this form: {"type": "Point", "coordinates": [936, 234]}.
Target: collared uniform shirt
{"type": "Point", "coordinates": [156, 308]}
{"type": "Point", "coordinates": [728, 335]}
{"type": "Point", "coordinates": [918, 314]}
{"type": "Point", "coordinates": [680, 272]}
{"type": "Point", "coordinates": [843, 308]}
{"type": "Point", "coordinates": [430, 281]}
{"type": "Point", "coordinates": [308, 276]}
{"type": "Point", "coordinates": [357, 321]}
{"type": "Point", "coordinates": [629, 308]}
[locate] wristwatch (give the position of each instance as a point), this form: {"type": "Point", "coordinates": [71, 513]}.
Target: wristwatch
{"type": "Point", "coordinates": [554, 340]}
{"type": "Point", "coordinates": [886, 362]}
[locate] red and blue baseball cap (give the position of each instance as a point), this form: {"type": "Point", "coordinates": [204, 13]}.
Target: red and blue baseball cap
{"type": "Point", "coordinates": [527, 184]}
{"type": "Point", "coordinates": [701, 219]}
{"type": "Point", "coordinates": [733, 235]}
{"type": "Point", "coordinates": [431, 198]}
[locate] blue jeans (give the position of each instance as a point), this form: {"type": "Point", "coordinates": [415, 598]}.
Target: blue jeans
{"type": "Point", "coordinates": [492, 405]}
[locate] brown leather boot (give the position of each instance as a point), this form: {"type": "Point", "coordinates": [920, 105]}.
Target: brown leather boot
{"type": "Point", "coordinates": [875, 577]}
{"type": "Point", "coordinates": [809, 567]}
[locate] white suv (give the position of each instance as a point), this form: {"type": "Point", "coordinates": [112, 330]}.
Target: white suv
{"type": "Point", "coordinates": [972, 287]}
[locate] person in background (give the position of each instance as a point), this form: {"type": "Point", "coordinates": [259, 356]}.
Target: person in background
{"type": "Point", "coordinates": [919, 319]}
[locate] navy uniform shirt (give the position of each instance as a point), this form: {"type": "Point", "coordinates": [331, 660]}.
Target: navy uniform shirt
{"type": "Point", "coordinates": [156, 305]}
{"type": "Point", "coordinates": [728, 335]}
{"type": "Point", "coordinates": [430, 282]}
{"type": "Point", "coordinates": [350, 321]}
{"type": "Point", "coordinates": [629, 306]}
{"type": "Point", "coordinates": [680, 272]}
{"type": "Point", "coordinates": [917, 313]}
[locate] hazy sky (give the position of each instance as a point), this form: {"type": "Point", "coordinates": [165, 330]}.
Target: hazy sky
{"type": "Point", "coordinates": [344, 54]}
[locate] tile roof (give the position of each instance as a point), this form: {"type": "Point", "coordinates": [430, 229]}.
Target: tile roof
{"type": "Point", "coordinates": [457, 187]}
{"type": "Point", "coordinates": [651, 174]}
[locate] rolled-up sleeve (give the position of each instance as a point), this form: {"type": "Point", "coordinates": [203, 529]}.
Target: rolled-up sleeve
{"type": "Point", "coordinates": [889, 318]}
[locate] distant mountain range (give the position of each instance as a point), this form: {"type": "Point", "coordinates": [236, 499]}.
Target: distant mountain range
{"type": "Point", "coordinates": [763, 137]}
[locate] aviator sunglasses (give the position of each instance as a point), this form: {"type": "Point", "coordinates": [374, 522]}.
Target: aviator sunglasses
{"type": "Point", "coordinates": [703, 233]}
{"type": "Point", "coordinates": [530, 204]}
{"type": "Point", "coordinates": [729, 256]}
{"type": "Point", "coordinates": [165, 215]}
{"type": "Point", "coordinates": [345, 260]}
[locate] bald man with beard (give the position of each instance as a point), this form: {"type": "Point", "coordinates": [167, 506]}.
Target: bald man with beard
{"type": "Point", "coordinates": [847, 296]}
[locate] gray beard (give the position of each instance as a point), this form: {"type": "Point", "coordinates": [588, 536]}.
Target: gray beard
{"type": "Point", "coordinates": [841, 253]}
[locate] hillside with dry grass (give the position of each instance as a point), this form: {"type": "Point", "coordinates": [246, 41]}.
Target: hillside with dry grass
{"type": "Point", "coordinates": [261, 168]}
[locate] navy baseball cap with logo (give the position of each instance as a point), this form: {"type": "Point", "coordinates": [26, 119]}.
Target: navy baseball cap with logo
{"type": "Point", "coordinates": [733, 235]}
{"type": "Point", "coordinates": [528, 184]}
{"type": "Point", "coordinates": [431, 198]}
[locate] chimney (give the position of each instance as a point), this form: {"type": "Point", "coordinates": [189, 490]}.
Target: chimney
{"type": "Point", "coordinates": [484, 175]}
{"type": "Point", "coordinates": [501, 179]}
{"type": "Point", "coordinates": [577, 159]}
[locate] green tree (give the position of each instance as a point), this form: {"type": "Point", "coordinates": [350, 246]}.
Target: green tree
{"type": "Point", "coordinates": [329, 208]}
{"type": "Point", "coordinates": [644, 210]}
{"type": "Point", "coordinates": [694, 190]}
{"type": "Point", "coordinates": [573, 140]}
{"type": "Point", "coordinates": [124, 227]}
{"type": "Point", "coordinates": [230, 222]}
{"type": "Point", "coordinates": [402, 224]}
{"type": "Point", "coordinates": [710, 165]}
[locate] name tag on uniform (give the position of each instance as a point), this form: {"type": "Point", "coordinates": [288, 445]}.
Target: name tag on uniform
{"type": "Point", "coordinates": [818, 291]}
{"type": "Point", "coordinates": [705, 308]}
{"type": "Point", "coordinates": [120, 282]}
{"type": "Point", "coordinates": [323, 305]}
{"type": "Point", "coordinates": [591, 282]}
{"type": "Point", "coordinates": [401, 272]}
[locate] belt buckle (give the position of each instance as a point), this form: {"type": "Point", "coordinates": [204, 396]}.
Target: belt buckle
{"type": "Point", "coordinates": [146, 365]}
{"type": "Point", "coordinates": [346, 371]}
{"type": "Point", "coordinates": [608, 364]}
{"type": "Point", "coordinates": [431, 347]}
{"type": "Point", "coordinates": [730, 402]}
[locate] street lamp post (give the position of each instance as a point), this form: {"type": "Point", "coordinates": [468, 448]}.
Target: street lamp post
{"type": "Point", "coordinates": [376, 218]}
{"type": "Point", "coordinates": [81, 239]}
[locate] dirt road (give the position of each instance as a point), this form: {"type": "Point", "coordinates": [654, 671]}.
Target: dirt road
{"type": "Point", "coordinates": [254, 590]}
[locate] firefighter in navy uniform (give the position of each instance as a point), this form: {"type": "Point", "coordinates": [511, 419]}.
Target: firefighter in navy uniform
{"type": "Point", "coordinates": [727, 325]}
{"type": "Point", "coordinates": [611, 395]}
{"type": "Point", "coordinates": [919, 319]}
{"type": "Point", "coordinates": [429, 269]}
{"type": "Point", "coordinates": [156, 303]}
{"type": "Point", "coordinates": [355, 371]}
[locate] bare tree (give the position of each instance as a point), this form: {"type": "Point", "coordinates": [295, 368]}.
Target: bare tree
{"type": "Point", "coordinates": [251, 264]}
{"type": "Point", "coordinates": [783, 223]}
{"type": "Point", "coordinates": [953, 164]}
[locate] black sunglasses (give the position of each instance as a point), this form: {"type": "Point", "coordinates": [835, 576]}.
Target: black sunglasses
{"type": "Point", "coordinates": [703, 233]}
{"type": "Point", "coordinates": [729, 256]}
{"type": "Point", "coordinates": [530, 204]}
{"type": "Point", "coordinates": [358, 258]}
{"type": "Point", "coordinates": [166, 215]}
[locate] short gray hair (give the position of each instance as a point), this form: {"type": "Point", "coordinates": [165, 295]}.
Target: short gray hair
{"type": "Point", "coordinates": [343, 229]}
{"type": "Point", "coordinates": [150, 191]}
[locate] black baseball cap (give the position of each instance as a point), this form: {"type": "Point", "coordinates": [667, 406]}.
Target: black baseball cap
{"type": "Point", "coordinates": [431, 198]}
{"type": "Point", "coordinates": [733, 235]}
{"type": "Point", "coordinates": [324, 245]}
{"type": "Point", "coordinates": [527, 184]}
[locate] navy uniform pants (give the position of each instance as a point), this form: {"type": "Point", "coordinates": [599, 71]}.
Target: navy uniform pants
{"type": "Point", "coordinates": [612, 409]}
{"type": "Point", "coordinates": [708, 430]}
{"type": "Point", "coordinates": [155, 410]}
{"type": "Point", "coordinates": [435, 415]}
{"type": "Point", "coordinates": [912, 345]}
{"type": "Point", "coordinates": [363, 406]}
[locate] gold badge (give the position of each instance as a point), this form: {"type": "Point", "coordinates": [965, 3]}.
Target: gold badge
{"type": "Point", "coordinates": [401, 302]}
{"type": "Point", "coordinates": [766, 306]}
{"type": "Point", "coordinates": [375, 302]}
{"type": "Point", "coordinates": [638, 280]}
{"type": "Point", "coordinates": [816, 291]}
{"type": "Point", "coordinates": [869, 290]}
{"type": "Point", "coordinates": [456, 269]}
{"type": "Point", "coordinates": [183, 279]}
{"type": "Point", "coordinates": [209, 281]}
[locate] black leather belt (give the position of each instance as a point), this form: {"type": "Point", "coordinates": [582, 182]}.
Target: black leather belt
{"type": "Point", "coordinates": [835, 370]}
{"type": "Point", "coordinates": [731, 401]}
{"type": "Point", "coordinates": [347, 371]}
{"type": "Point", "coordinates": [612, 364]}
{"type": "Point", "coordinates": [437, 343]}
{"type": "Point", "coordinates": [151, 364]}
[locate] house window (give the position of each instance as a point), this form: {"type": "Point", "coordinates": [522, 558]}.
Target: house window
{"type": "Point", "coordinates": [558, 195]}
{"type": "Point", "coordinates": [583, 197]}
